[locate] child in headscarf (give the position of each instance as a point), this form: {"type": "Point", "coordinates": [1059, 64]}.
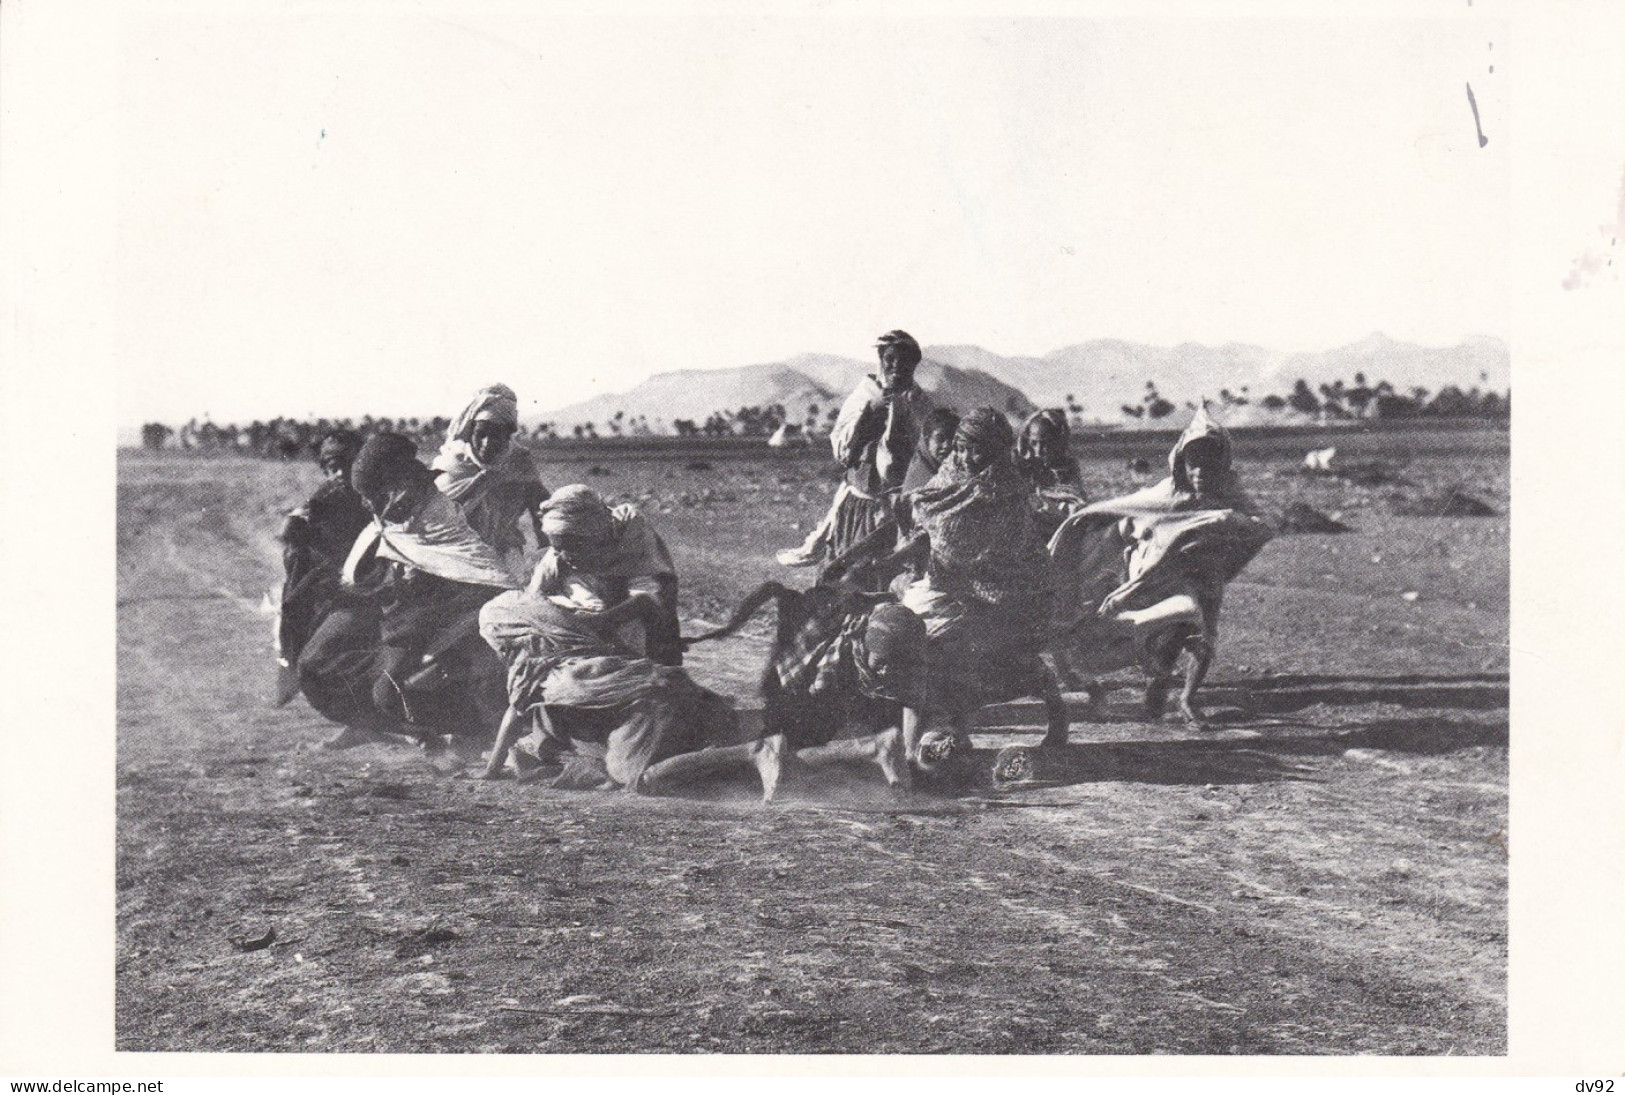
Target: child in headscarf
{"type": "Point", "coordinates": [494, 480]}
{"type": "Point", "coordinates": [1049, 469]}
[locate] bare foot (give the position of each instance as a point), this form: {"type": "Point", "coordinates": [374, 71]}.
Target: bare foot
{"type": "Point", "coordinates": [892, 756]}
{"type": "Point", "coordinates": [352, 736]}
{"type": "Point", "coordinates": [769, 760]}
{"type": "Point", "coordinates": [799, 556]}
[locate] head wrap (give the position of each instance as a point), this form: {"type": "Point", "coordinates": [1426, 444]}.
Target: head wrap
{"type": "Point", "coordinates": [908, 350]}
{"type": "Point", "coordinates": [577, 510]}
{"type": "Point", "coordinates": [988, 429]}
{"type": "Point", "coordinates": [1204, 429]}
{"type": "Point", "coordinates": [388, 461]}
{"type": "Point", "coordinates": [496, 403]}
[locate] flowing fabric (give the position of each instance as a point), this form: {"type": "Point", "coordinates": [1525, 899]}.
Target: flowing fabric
{"type": "Point", "coordinates": [494, 497]}
{"type": "Point", "coordinates": [436, 539]}
{"type": "Point", "coordinates": [632, 556]}
{"type": "Point", "coordinates": [1127, 568]}
{"type": "Point", "coordinates": [366, 658]}
{"type": "Point", "coordinates": [611, 708]}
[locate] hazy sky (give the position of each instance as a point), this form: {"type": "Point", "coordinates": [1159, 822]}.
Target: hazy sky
{"type": "Point", "coordinates": [335, 213]}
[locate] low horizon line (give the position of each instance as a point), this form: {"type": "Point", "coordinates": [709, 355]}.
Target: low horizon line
{"type": "Point", "coordinates": [926, 349]}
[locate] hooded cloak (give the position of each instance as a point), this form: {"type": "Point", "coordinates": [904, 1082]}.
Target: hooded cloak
{"type": "Point", "coordinates": [1115, 562]}
{"type": "Point", "coordinates": [496, 496]}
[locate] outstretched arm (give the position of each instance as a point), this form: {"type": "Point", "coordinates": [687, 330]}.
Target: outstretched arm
{"type": "Point", "coordinates": [767, 591]}
{"type": "Point", "coordinates": [871, 552]}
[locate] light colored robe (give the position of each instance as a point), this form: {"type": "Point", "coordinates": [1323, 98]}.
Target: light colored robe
{"type": "Point", "coordinates": [1125, 570]}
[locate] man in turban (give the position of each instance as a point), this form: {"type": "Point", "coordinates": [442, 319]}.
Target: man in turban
{"type": "Point", "coordinates": [881, 439]}
{"type": "Point", "coordinates": [605, 557]}
{"type": "Point", "coordinates": [593, 650]}
{"type": "Point", "coordinates": [494, 480]}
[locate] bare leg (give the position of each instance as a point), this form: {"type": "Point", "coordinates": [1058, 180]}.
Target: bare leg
{"type": "Point", "coordinates": [686, 767]}
{"type": "Point", "coordinates": [885, 749]}
{"type": "Point", "coordinates": [913, 730]}
{"type": "Point", "coordinates": [1059, 722]}
{"type": "Point", "coordinates": [1199, 656]}
{"type": "Point", "coordinates": [514, 726]}
{"type": "Point", "coordinates": [892, 757]}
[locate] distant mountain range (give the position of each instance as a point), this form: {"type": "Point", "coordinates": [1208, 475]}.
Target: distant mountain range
{"type": "Point", "coordinates": [1102, 375]}
{"type": "Point", "coordinates": [803, 382]}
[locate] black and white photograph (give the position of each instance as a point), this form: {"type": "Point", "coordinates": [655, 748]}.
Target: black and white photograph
{"type": "Point", "coordinates": [807, 531]}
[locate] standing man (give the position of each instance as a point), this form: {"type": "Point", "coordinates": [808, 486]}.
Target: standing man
{"type": "Point", "coordinates": [881, 438]}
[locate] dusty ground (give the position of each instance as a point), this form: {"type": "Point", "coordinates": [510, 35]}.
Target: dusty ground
{"type": "Point", "coordinates": [1325, 875]}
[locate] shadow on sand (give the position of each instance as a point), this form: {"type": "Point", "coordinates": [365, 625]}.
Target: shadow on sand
{"type": "Point", "coordinates": [1286, 694]}
{"type": "Point", "coordinates": [1235, 702]}
{"type": "Point", "coordinates": [1276, 758]}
